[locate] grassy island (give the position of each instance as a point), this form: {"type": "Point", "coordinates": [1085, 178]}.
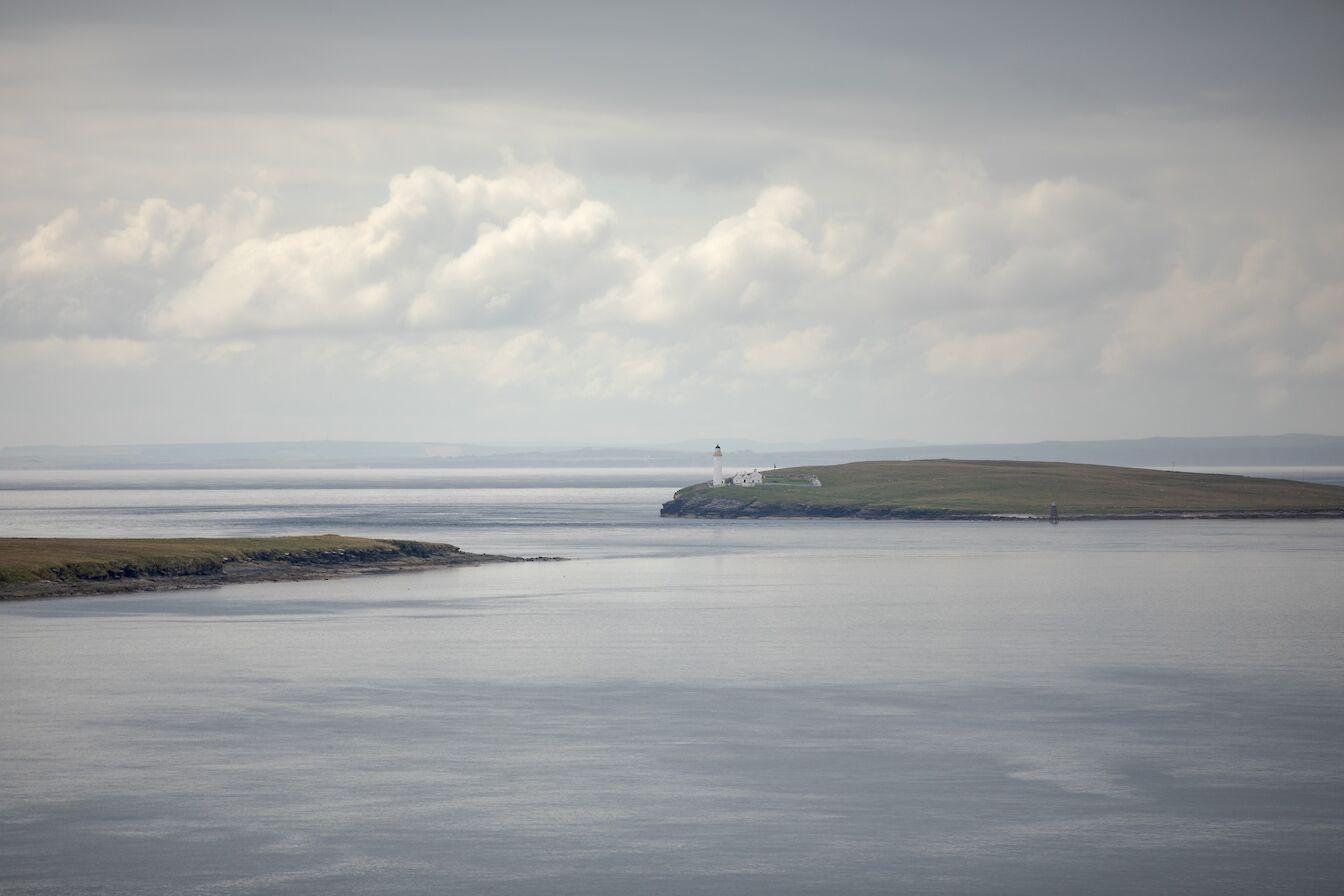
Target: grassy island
{"type": "Point", "coordinates": [50, 567]}
{"type": "Point", "coordinates": [992, 489]}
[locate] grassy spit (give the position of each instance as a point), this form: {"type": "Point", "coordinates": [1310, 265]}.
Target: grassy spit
{"type": "Point", "coordinates": [37, 566]}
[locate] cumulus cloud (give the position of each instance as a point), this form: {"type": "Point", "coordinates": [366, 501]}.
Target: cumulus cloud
{"type": "Point", "coordinates": [1049, 243]}
{"type": "Point", "coordinates": [440, 251]}
{"type": "Point", "coordinates": [521, 280]}
{"type": "Point", "coordinates": [528, 247]}
{"type": "Point", "coordinates": [105, 270]}
{"type": "Point", "coordinates": [533, 267]}
{"type": "Point", "coordinates": [1267, 315]}
{"type": "Point", "coordinates": [751, 265]}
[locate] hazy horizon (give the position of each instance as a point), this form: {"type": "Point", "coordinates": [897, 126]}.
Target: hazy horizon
{"type": "Point", "coordinates": [631, 225]}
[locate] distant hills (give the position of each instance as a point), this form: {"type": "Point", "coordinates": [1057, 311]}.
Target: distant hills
{"type": "Point", "coordinates": [1285, 451]}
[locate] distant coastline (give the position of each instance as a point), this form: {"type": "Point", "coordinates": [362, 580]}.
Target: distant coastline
{"type": "Point", "coordinates": [1294, 450]}
{"type": "Point", "coordinates": [1004, 491]}
{"type": "Point", "coordinates": [66, 567]}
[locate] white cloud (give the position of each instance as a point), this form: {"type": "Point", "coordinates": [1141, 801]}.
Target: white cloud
{"type": "Point", "coordinates": [439, 251]}
{"type": "Point", "coordinates": [104, 271]}
{"type": "Point", "coordinates": [527, 248]}
{"type": "Point", "coordinates": [520, 283]}
{"type": "Point", "coordinates": [536, 265]}
{"type": "Point", "coordinates": [1266, 310]}
{"type": "Point", "coordinates": [1049, 243]}
{"type": "Point", "coordinates": [749, 264]}
{"type": "Point", "coordinates": [978, 354]}
{"type": "Point", "coordinates": [48, 249]}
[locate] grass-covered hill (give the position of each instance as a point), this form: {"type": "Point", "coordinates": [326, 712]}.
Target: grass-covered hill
{"type": "Point", "coordinates": [971, 489]}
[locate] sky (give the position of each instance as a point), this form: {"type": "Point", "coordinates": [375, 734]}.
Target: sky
{"type": "Point", "coordinates": [636, 223]}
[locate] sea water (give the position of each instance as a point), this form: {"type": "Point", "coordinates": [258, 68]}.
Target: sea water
{"type": "Point", "coordinates": [684, 707]}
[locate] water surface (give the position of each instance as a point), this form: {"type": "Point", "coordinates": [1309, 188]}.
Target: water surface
{"type": "Point", "coordinates": [687, 707]}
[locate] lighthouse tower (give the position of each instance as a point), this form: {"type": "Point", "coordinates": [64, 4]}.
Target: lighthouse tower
{"type": "Point", "coordinates": [718, 467]}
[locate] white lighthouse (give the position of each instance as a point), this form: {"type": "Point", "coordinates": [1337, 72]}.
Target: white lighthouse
{"type": "Point", "coordinates": [718, 467]}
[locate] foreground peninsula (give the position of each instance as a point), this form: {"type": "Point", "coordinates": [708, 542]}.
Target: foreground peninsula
{"type": "Point", "coordinates": [60, 567]}
{"type": "Point", "coordinates": [995, 489]}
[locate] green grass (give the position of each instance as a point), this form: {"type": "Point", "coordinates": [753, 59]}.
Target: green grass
{"type": "Point", "coordinates": [1022, 487]}
{"type": "Point", "coordinates": [82, 559]}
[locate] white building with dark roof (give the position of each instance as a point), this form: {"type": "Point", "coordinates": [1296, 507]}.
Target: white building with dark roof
{"type": "Point", "coordinates": [748, 479]}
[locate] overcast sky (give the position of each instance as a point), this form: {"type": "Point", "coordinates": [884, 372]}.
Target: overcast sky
{"type": "Point", "coordinates": [621, 223]}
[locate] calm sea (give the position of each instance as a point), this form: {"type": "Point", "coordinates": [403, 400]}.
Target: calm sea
{"type": "Point", "coordinates": [759, 707]}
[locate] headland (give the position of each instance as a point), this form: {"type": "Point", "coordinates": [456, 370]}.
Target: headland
{"type": "Point", "coordinates": [62, 567]}
{"type": "Point", "coordinates": [1003, 490]}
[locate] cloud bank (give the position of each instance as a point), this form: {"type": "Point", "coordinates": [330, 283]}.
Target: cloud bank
{"type": "Point", "coordinates": [520, 276]}
{"type": "Point", "coordinates": [878, 221]}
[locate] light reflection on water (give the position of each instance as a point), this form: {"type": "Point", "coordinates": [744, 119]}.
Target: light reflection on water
{"type": "Point", "coordinates": [688, 707]}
